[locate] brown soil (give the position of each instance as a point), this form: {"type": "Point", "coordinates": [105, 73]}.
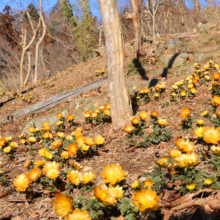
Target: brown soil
{"type": "Point", "coordinates": [116, 150]}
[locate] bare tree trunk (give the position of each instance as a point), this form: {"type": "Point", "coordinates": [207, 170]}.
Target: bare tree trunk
{"type": "Point", "coordinates": [121, 110]}
{"type": "Point", "coordinates": [39, 41]}
{"type": "Point", "coordinates": [182, 16]}
{"type": "Point", "coordinates": [21, 68]}
{"type": "Point", "coordinates": [196, 8]}
{"type": "Point", "coordinates": [135, 17]}
{"type": "Point", "coordinates": [100, 35]}
{"type": "Point", "coordinates": [153, 29]}
{"type": "Point", "coordinates": [147, 16]}
{"type": "Point", "coordinates": [137, 26]}
{"type": "Point", "coordinates": [29, 68]}
{"type": "Point", "coordinates": [42, 61]}
{"type": "Point", "coordinates": [23, 43]}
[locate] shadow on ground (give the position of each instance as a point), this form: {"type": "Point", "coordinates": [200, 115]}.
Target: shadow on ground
{"type": "Point", "coordinates": [170, 64]}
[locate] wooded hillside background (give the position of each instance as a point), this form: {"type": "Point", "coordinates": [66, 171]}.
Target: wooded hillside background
{"type": "Point", "coordinates": [73, 32]}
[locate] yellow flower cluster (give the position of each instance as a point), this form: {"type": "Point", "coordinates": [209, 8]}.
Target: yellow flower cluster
{"type": "Point", "coordinates": [102, 110]}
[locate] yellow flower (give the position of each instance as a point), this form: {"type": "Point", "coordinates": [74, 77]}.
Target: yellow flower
{"type": "Point", "coordinates": [185, 113]}
{"type": "Point", "coordinates": [107, 112]}
{"type": "Point", "coordinates": [46, 127]}
{"type": "Point", "coordinates": [84, 146]}
{"type": "Point", "coordinates": [8, 138]}
{"type": "Point", "coordinates": [78, 129]}
{"type": "Point", "coordinates": [216, 76]}
{"type": "Point", "coordinates": [7, 150]}
{"type": "Point", "coordinates": [198, 131]}
{"type": "Point", "coordinates": [174, 153]}
{"type": "Point", "coordinates": [31, 129]}
{"type": "Point", "coordinates": [193, 90]}
{"type": "Point", "coordinates": [129, 129]}
{"type": "Point", "coordinates": [32, 140]}
{"type": "Point", "coordinates": [74, 176]}
{"type": "Point", "coordinates": [56, 144]}
{"type": "Point", "coordinates": [185, 145]}
{"type": "Point", "coordinates": [217, 112]}
{"type": "Point", "coordinates": [154, 114]}
{"type": "Point", "coordinates": [99, 140]}
{"type": "Point", "coordinates": [60, 134]}
{"type": "Point", "coordinates": [48, 154]}
{"type": "Point", "coordinates": [39, 163]}
{"type": "Point", "coordinates": [94, 115]}
{"type": "Point", "coordinates": [215, 150]}
{"type": "Point", "coordinates": [97, 111]}
{"type": "Point", "coordinates": [59, 115]}
{"type": "Point", "coordinates": [78, 214]}
{"type": "Point", "coordinates": [2, 142]}
{"type": "Point", "coordinates": [69, 137]}
{"type": "Point", "coordinates": [113, 174]}
{"type": "Point", "coordinates": [163, 162]}
{"type": "Point", "coordinates": [23, 141]}
{"type": "Point", "coordinates": [208, 182]}
{"type": "Point", "coordinates": [207, 77]}
{"type": "Point", "coordinates": [41, 152]}
{"type": "Point", "coordinates": [183, 94]}
{"type": "Point", "coordinates": [74, 164]}
{"type": "Point", "coordinates": [216, 66]}
{"type": "Point", "coordinates": [104, 194]}
{"type": "Point", "coordinates": [65, 155]}
{"type": "Point", "coordinates": [143, 115]}
{"type": "Point", "coordinates": [34, 174]}
{"type": "Point", "coordinates": [190, 86]}
{"type": "Point", "coordinates": [205, 113]}
{"type": "Point", "coordinates": [108, 106]}
{"type": "Point", "coordinates": [200, 122]}
{"type": "Point", "coordinates": [191, 186]}
{"type": "Point", "coordinates": [79, 139]}
{"type": "Point", "coordinates": [146, 90]}
{"type": "Point", "coordinates": [73, 149]}
{"type": "Point", "coordinates": [27, 164]}
{"type": "Point", "coordinates": [141, 91]}
{"type": "Point", "coordinates": [51, 169]}
{"type": "Point", "coordinates": [162, 122]}
{"type": "Point", "coordinates": [47, 135]}
{"type": "Point", "coordinates": [215, 101]}
{"type": "Point", "coordinates": [70, 117]}
{"type": "Point", "coordinates": [156, 95]}
{"type": "Point", "coordinates": [21, 182]}
{"type": "Point", "coordinates": [89, 141]}
{"type": "Point", "coordinates": [187, 160]}
{"type": "Point", "coordinates": [135, 184]}
{"type": "Point", "coordinates": [147, 183]}
{"type": "Point", "coordinates": [59, 123]}
{"type": "Point", "coordinates": [146, 200]}
{"type": "Point", "coordinates": [101, 108]}
{"type": "Point", "coordinates": [211, 135]}
{"type": "Point", "coordinates": [135, 120]}
{"type": "Point", "coordinates": [62, 204]}
{"type": "Point", "coordinates": [88, 177]}
{"type": "Point", "coordinates": [86, 115]}
{"type": "Point", "coordinates": [118, 191]}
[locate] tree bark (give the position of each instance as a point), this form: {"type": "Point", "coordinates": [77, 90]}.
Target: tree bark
{"type": "Point", "coordinates": [29, 68]}
{"type": "Point", "coordinates": [121, 110]}
{"type": "Point", "coordinates": [135, 17]}
{"type": "Point", "coordinates": [23, 43]}
{"type": "Point", "coordinates": [137, 26]}
{"type": "Point", "coordinates": [39, 41]}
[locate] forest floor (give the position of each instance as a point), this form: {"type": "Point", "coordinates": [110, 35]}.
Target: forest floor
{"type": "Point", "coordinates": [116, 149]}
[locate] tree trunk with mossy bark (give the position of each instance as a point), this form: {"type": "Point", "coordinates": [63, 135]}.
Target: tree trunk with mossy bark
{"type": "Point", "coordinates": [121, 110]}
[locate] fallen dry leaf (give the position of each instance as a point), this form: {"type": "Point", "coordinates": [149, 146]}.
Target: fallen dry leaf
{"type": "Point", "coordinates": [3, 194]}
